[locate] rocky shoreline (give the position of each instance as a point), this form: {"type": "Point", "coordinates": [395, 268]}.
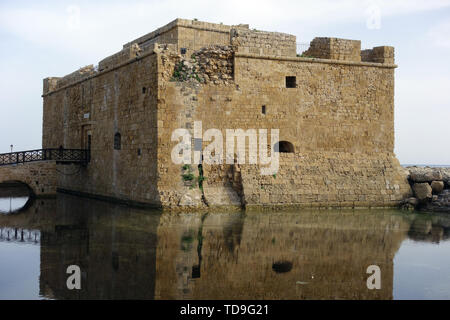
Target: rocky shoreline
{"type": "Point", "coordinates": [431, 189]}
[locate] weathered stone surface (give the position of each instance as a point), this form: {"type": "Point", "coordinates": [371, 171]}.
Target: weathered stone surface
{"type": "Point", "coordinates": [334, 48]}
{"type": "Point", "coordinates": [441, 202]}
{"type": "Point", "coordinates": [222, 196]}
{"type": "Point", "coordinates": [424, 174]}
{"type": "Point", "coordinates": [437, 186]}
{"type": "Point", "coordinates": [191, 198]}
{"type": "Point", "coordinates": [446, 175]}
{"type": "Point", "coordinates": [413, 201]}
{"type": "Point", "coordinates": [410, 204]}
{"type": "Point", "coordinates": [338, 118]}
{"type": "Point", "coordinates": [40, 177]}
{"type": "Point", "coordinates": [422, 191]}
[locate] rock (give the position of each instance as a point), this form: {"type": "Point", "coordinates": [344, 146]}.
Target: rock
{"type": "Point", "coordinates": [190, 198]}
{"type": "Point", "coordinates": [446, 175]}
{"type": "Point", "coordinates": [440, 203]}
{"type": "Point", "coordinates": [422, 191]}
{"type": "Point", "coordinates": [437, 186]}
{"type": "Point", "coordinates": [412, 201]}
{"type": "Point", "coordinates": [424, 174]}
{"type": "Point", "coordinates": [410, 204]}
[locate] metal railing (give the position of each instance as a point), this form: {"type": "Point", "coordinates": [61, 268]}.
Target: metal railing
{"type": "Point", "coordinates": [59, 155]}
{"type": "Point", "coordinates": [19, 235]}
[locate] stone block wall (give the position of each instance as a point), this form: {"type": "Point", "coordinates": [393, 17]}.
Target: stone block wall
{"type": "Point", "coordinates": [338, 117]}
{"type": "Point", "coordinates": [189, 34]}
{"type": "Point", "coordinates": [126, 54]}
{"type": "Point", "coordinates": [50, 84]}
{"type": "Point", "coordinates": [121, 99]}
{"type": "Point", "coordinates": [193, 35]}
{"type": "Point", "coordinates": [264, 43]}
{"type": "Point", "coordinates": [383, 54]}
{"type": "Point", "coordinates": [76, 76]}
{"type": "Point", "coordinates": [40, 177]}
{"type": "Point", "coordinates": [335, 48]}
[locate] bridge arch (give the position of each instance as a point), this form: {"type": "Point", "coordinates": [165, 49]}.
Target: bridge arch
{"type": "Point", "coordinates": [20, 196]}
{"type": "Point", "coordinates": [39, 177]}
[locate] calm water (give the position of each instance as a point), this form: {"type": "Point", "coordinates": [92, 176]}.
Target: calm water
{"type": "Point", "coordinates": [131, 253]}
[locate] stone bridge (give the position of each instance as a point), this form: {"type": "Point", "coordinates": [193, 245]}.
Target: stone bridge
{"type": "Point", "coordinates": [40, 177]}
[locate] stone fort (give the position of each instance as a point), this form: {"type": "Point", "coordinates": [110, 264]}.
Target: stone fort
{"type": "Point", "coordinates": [333, 105]}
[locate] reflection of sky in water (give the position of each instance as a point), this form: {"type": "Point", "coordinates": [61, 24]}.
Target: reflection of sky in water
{"type": "Point", "coordinates": [12, 203]}
{"type": "Point", "coordinates": [19, 271]}
{"type": "Point", "coordinates": [422, 270]}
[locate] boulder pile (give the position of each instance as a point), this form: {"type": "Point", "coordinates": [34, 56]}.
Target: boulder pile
{"type": "Point", "coordinates": [213, 64]}
{"type": "Point", "coordinates": [431, 187]}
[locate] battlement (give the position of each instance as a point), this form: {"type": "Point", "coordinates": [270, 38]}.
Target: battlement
{"type": "Point", "coordinates": [335, 49]}
{"type": "Point", "coordinates": [192, 35]}
{"type": "Point", "coordinates": [170, 33]}
{"type": "Point", "coordinates": [264, 43]}
{"type": "Point", "coordinates": [186, 37]}
{"type": "Point", "coordinates": [348, 50]}
{"type": "Point", "coordinates": [383, 54]}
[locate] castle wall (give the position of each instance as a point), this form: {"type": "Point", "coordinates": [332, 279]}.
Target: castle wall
{"type": "Point", "coordinates": [40, 177]}
{"type": "Point", "coordinates": [338, 115]}
{"type": "Point", "coordinates": [194, 35]}
{"type": "Point", "coordinates": [335, 48]}
{"type": "Point", "coordinates": [122, 100]}
{"type": "Point", "coordinates": [339, 119]}
{"type": "Point", "coordinates": [264, 43]}
{"type": "Point", "coordinates": [189, 34]}
{"type": "Point", "coordinates": [382, 54]}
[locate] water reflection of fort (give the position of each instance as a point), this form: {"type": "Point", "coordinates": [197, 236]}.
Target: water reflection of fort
{"type": "Point", "coordinates": [130, 253]}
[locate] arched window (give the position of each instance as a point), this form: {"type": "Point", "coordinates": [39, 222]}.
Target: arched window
{"type": "Point", "coordinates": [285, 147]}
{"type": "Point", "coordinates": [117, 141]}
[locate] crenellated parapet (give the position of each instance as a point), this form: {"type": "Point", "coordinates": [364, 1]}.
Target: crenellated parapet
{"type": "Point", "coordinates": [125, 54]}
{"type": "Point", "coordinates": [335, 49]}
{"type": "Point", "coordinates": [263, 43]}
{"type": "Point", "coordinates": [187, 37]}
{"type": "Point", "coordinates": [348, 50]}
{"type": "Point", "coordinates": [382, 54]}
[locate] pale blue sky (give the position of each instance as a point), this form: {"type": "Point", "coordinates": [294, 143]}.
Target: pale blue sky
{"type": "Point", "coordinates": [54, 38]}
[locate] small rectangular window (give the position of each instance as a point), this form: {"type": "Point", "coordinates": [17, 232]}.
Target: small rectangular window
{"type": "Point", "coordinates": [263, 109]}
{"type": "Point", "coordinates": [183, 50]}
{"type": "Point", "coordinates": [117, 141]}
{"type": "Point", "coordinates": [291, 82]}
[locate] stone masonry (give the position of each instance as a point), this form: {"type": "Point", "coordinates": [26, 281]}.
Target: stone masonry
{"type": "Point", "coordinates": [334, 106]}
{"type": "Point", "coordinates": [40, 177]}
